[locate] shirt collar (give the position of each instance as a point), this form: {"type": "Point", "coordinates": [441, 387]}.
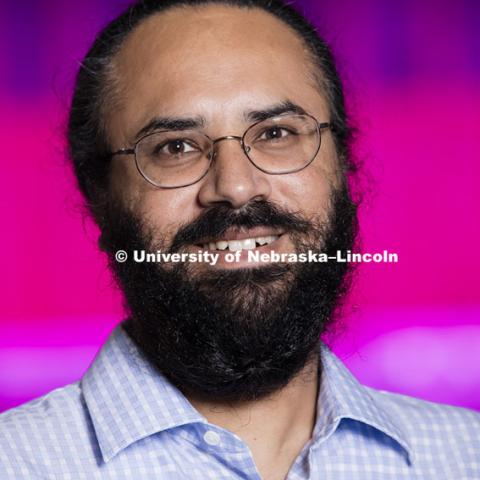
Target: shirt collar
{"type": "Point", "coordinates": [128, 399]}
{"type": "Point", "coordinates": [342, 396]}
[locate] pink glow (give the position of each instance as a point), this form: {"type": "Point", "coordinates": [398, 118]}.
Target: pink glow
{"type": "Point", "coordinates": [413, 83]}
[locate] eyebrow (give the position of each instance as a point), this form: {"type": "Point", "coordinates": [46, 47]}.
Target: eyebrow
{"type": "Point", "coordinates": [278, 109]}
{"type": "Point", "coordinates": [170, 123]}
{"type": "Point", "coordinates": [190, 123]}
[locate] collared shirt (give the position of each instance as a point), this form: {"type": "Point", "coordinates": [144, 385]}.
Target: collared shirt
{"type": "Point", "coordinates": [124, 420]}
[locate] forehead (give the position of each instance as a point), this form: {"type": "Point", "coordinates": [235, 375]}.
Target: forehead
{"type": "Point", "coordinates": [206, 60]}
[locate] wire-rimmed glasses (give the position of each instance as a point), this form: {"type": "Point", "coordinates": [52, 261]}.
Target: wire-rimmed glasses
{"type": "Point", "coordinates": [278, 145]}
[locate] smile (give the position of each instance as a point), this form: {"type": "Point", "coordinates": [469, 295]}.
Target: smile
{"type": "Point", "coordinates": [244, 244]}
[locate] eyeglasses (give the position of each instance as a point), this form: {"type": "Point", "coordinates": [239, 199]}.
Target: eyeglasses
{"type": "Point", "coordinates": [173, 159]}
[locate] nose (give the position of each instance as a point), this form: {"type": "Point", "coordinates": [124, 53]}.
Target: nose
{"type": "Point", "coordinates": [232, 178]}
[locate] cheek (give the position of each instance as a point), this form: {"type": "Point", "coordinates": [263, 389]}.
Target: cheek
{"type": "Point", "coordinates": [165, 211]}
{"type": "Point", "coordinates": [308, 191]}
{"type": "Point", "coordinates": [162, 211]}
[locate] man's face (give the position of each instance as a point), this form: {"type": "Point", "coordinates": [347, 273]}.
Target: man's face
{"type": "Point", "coordinates": [230, 330]}
{"type": "Point", "coordinates": [220, 64]}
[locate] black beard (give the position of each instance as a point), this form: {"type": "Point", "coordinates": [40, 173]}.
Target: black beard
{"type": "Point", "coordinates": [236, 334]}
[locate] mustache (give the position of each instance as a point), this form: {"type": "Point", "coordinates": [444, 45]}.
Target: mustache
{"type": "Point", "coordinates": [218, 219]}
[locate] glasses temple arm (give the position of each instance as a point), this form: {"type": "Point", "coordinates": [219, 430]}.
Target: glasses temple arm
{"type": "Point", "coordinates": [122, 151]}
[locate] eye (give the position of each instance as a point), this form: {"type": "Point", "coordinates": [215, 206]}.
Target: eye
{"type": "Point", "coordinates": [275, 133]}
{"type": "Point", "coordinates": [175, 147]}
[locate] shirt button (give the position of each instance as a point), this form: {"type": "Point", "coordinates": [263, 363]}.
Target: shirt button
{"type": "Point", "coordinates": [211, 437]}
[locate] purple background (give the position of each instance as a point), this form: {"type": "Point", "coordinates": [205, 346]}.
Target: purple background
{"type": "Point", "coordinates": [412, 73]}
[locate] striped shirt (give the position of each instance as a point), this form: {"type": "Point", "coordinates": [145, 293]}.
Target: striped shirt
{"type": "Point", "coordinates": [124, 420]}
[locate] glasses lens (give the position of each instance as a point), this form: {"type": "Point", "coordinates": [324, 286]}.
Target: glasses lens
{"type": "Point", "coordinates": [283, 144]}
{"type": "Point", "coordinates": [173, 159]}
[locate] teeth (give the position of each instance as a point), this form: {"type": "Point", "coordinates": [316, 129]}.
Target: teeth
{"type": "Point", "coordinates": [245, 244]}
{"type": "Point", "coordinates": [234, 245]}
{"type": "Point", "coordinates": [266, 240]}
{"type": "Point", "coordinates": [222, 245]}
{"type": "Point", "coordinates": [248, 244]}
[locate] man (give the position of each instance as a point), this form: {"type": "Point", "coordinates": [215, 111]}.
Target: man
{"type": "Point", "coordinates": [203, 129]}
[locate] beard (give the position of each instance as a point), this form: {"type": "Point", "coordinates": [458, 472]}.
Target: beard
{"type": "Point", "coordinates": [232, 334]}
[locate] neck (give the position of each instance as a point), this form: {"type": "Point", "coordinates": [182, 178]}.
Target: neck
{"type": "Point", "coordinates": [275, 428]}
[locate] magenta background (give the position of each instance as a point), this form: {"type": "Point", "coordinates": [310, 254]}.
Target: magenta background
{"type": "Point", "coordinates": [412, 71]}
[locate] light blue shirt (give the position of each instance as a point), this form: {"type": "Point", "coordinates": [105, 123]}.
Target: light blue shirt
{"type": "Point", "coordinates": [124, 420]}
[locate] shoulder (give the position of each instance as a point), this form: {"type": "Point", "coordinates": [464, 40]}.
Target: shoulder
{"type": "Point", "coordinates": [435, 429]}
{"type": "Point", "coordinates": [51, 409]}
{"type": "Point", "coordinates": [414, 412]}
{"type": "Point", "coordinates": [34, 434]}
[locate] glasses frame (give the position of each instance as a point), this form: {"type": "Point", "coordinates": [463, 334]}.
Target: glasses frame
{"type": "Point", "coordinates": [246, 149]}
